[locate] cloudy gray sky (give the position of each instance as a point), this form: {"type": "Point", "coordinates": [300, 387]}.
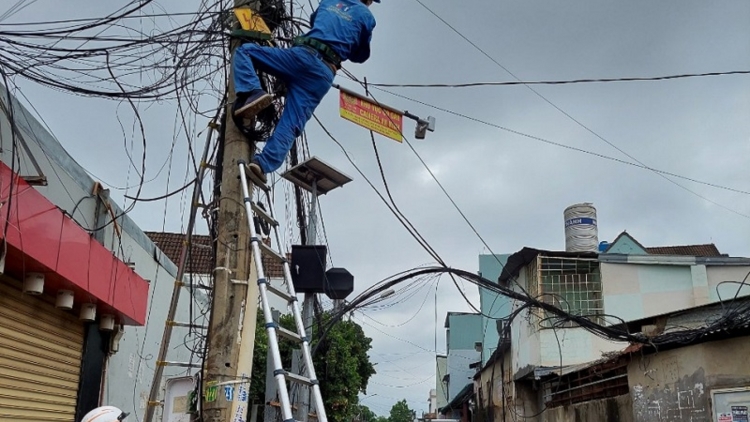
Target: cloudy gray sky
{"type": "Point", "coordinates": [512, 188]}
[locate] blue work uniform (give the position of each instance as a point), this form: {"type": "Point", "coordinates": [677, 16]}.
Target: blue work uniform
{"type": "Point", "coordinates": [346, 27]}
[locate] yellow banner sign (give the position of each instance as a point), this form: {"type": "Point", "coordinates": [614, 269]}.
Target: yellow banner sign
{"type": "Point", "coordinates": [371, 116]}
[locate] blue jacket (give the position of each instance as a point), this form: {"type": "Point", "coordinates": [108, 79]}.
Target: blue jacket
{"type": "Point", "coordinates": [345, 26]}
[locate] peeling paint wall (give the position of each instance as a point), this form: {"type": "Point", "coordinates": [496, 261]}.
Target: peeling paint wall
{"type": "Point", "coordinates": [615, 409]}
{"type": "Point", "coordinates": [525, 404]}
{"type": "Point", "coordinates": [526, 349]}
{"type": "Point", "coordinates": [680, 399]}
{"type": "Point", "coordinates": [676, 385]}
{"type": "Point", "coordinates": [491, 382]}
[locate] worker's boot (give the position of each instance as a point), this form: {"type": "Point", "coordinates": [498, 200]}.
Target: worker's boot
{"type": "Point", "coordinates": [256, 174]}
{"type": "Point", "coordinates": [248, 105]}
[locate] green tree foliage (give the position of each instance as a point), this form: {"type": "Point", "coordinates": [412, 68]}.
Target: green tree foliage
{"type": "Point", "coordinates": [341, 364]}
{"type": "Point", "coordinates": [260, 351]}
{"type": "Point", "coordinates": [344, 368]}
{"type": "Point", "coordinates": [260, 354]}
{"type": "Point", "coordinates": [400, 412]}
{"type": "Point", "coordinates": [364, 414]}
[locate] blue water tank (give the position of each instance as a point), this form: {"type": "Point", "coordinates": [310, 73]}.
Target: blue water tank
{"type": "Point", "coordinates": [603, 245]}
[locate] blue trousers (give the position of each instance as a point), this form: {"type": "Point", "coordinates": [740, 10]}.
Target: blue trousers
{"type": "Point", "coordinates": [307, 78]}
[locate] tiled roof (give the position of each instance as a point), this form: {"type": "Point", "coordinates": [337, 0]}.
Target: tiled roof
{"type": "Point", "coordinates": [688, 250]}
{"type": "Point", "coordinates": [201, 253]}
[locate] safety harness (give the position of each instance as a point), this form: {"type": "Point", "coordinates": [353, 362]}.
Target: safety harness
{"type": "Point", "coordinates": [327, 52]}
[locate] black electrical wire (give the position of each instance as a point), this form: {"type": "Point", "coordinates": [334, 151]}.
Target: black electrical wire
{"type": "Point", "coordinates": [737, 317]}
{"type": "Point", "coordinates": [562, 82]}
{"type": "Point", "coordinates": [576, 121]}
{"type": "Point", "coordinates": [560, 145]}
{"type": "Point", "coordinates": [162, 197]}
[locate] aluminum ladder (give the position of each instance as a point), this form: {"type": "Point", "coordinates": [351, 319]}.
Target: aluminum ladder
{"type": "Point", "coordinates": [274, 330]}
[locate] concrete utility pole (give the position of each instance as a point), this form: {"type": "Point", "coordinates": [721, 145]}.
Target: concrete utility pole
{"type": "Point", "coordinates": [234, 307]}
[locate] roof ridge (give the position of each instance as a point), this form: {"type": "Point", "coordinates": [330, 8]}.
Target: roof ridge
{"type": "Point", "coordinates": [682, 246]}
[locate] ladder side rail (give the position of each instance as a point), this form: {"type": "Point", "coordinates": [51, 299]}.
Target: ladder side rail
{"type": "Point", "coordinates": [306, 353]}
{"type": "Point", "coordinates": [286, 408]}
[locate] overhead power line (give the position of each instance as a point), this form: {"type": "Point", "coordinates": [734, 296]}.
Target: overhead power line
{"type": "Point", "coordinates": [576, 121]}
{"type": "Point", "coordinates": [561, 145]}
{"type": "Point", "coordinates": [562, 82]}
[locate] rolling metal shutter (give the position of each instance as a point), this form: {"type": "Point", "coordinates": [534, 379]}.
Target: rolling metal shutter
{"type": "Point", "coordinates": [40, 357]}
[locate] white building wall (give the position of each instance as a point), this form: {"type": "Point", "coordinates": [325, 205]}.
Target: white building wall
{"type": "Point", "coordinates": [534, 347]}
{"type": "Point", "coordinates": [432, 401]}
{"type": "Point", "coordinates": [573, 346]}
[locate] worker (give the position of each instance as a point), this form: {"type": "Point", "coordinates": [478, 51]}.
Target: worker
{"type": "Point", "coordinates": [340, 30]}
{"type": "Point", "coordinates": [105, 414]}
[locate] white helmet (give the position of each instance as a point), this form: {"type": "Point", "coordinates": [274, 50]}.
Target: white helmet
{"type": "Point", "coordinates": [105, 414]}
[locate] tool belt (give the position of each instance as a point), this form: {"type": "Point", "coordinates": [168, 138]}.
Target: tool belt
{"type": "Point", "coordinates": [327, 52]}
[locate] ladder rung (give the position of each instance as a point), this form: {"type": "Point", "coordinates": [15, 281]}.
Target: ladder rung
{"type": "Point", "coordinates": [270, 252]}
{"type": "Point", "coordinates": [179, 364]}
{"type": "Point", "coordinates": [289, 335]}
{"type": "Point", "coordinates": [260, 212]}
{"type": "Point", "coordinates": [275, 403]}
{"type": "Point", "coordinates": [186, 325]}
{"type": "Point", "coordinates": [299, 379]}
{"type": "Point", "coordinates": [280, 293]}
{"type": "Point", "coordinates": [257, 182]}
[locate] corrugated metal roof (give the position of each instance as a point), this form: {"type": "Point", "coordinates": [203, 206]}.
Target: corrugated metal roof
{"type": "Point", "coordinates": [543, 371]}
{"type": "Point", "coordinates": [702, 316]}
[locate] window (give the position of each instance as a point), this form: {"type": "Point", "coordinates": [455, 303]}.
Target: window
{"type": "Point", "coordinates": [571, 284]}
